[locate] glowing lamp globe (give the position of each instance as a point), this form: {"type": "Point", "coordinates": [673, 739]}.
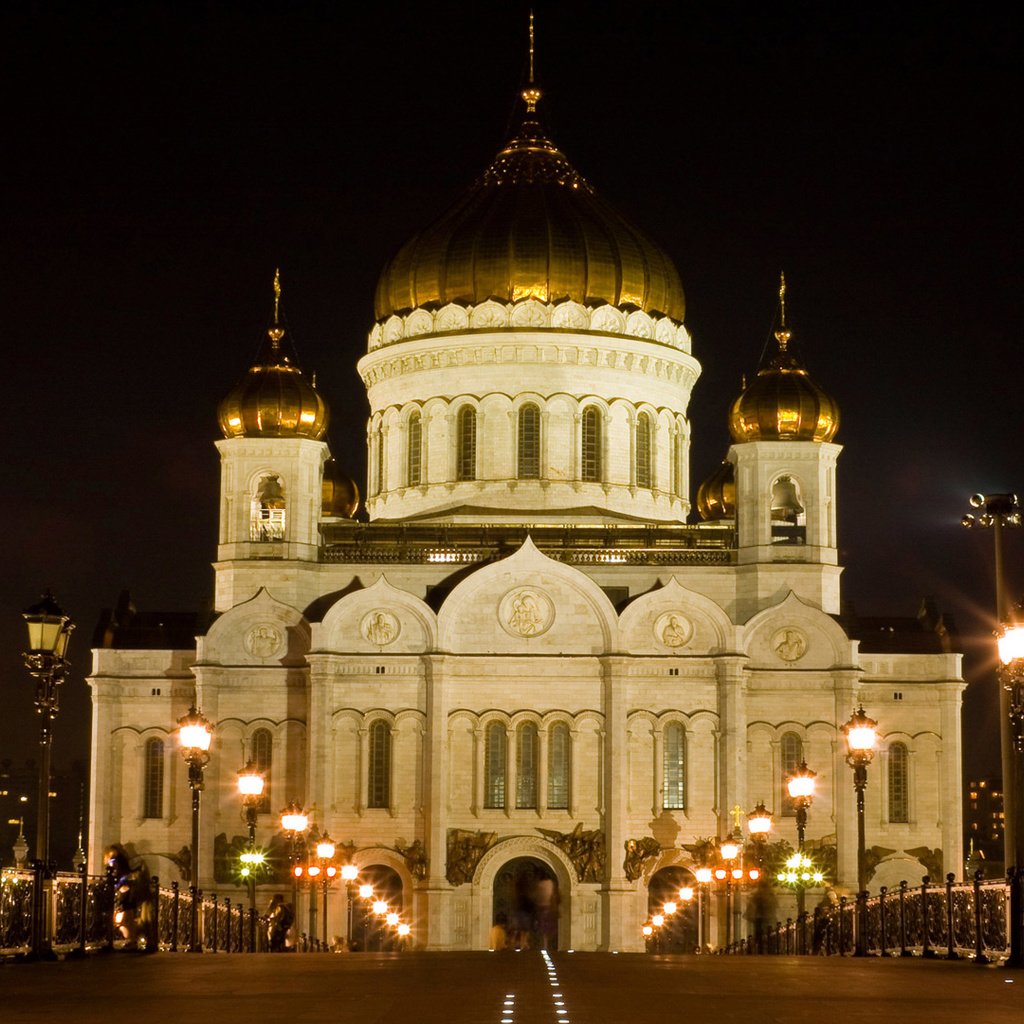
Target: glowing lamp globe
{"type": "Point", "coordinates": [294, 819]}
{"type": "Point", "coordinates": [194, 733]}
{"type": "Point", "coordinates": [703, 875]}
{"type": "Point", "coordinates": [657, 920]}
{"type": "Point", "coordinates": [325, 848]}
{"type": "Point", "coordinates": [801, 783]}
{"type": "Point", "coordinates": [349, 872]}
{"type": "Point", "coordinates": [1011, 644]}
{"type": "Point", "coordinates": [403, 930]}
{"type": "Point", "coordinates": [730, 849]}
{"type": "Point", "coordinates": [366, 892]}
{"type": "Point", "coordinates": [392, 919]}
{"type": "Point", "coordinates": [380, 907]}
{"type": "Point", "coordinates": [669, 908]}
{"type": "Point", "coordinates": [686, 893]}
{"type": "Point", "coordinates": [250, 781]}
{"type": "Point", "coordinates": [759, 821]}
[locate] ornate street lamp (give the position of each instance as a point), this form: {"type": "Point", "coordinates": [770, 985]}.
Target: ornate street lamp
{"type": "Point", "coordinates": [861, 738]}
{"type": "Point", "coordinates": [998, 512]}
{"type": "Point", "coordinates": [801, 791]}
{"type": "Point", "coordinates": [759, 825]}
{"type": "Point", "coordinates": [195, 736]}
{"type": "Point", "coordinates": [325, 856]}
{"type": "Point", "coordinates": [49, 630]}
{"type": "Point", "coordinates": [251, 783]}
{"type": "Point", "coordinates": [294, 822]}
{"type": "Point", "coordinates": [1011, 655]}
{"type": "Point", "coordinates": [349, 874]}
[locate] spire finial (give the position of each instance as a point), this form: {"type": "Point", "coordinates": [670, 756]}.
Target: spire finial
{"type": "Point", "coordinates": [783, 334]}
{"type": "Point", "coordinates": [531, 46]}
{"type": "Point", "coordinates": [276, 332]}
{"type": "Point", "coordinates": [531, 94]}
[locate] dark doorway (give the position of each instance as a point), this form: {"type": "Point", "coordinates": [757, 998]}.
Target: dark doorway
{"type": "Point", "coordinates": [679, 932]}
{"type": "Point", "coordinates": [526, 902]}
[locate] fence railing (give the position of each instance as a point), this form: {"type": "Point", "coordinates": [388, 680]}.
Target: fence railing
{"type": "Point", "coordinates": [76, 915]}
{"type": "Point", "coordinates": [952, 920]}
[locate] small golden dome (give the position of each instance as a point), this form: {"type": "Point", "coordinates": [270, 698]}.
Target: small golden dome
{"type": "Point", "coordinates": [531, 227]}
{"type": "Point", "coordinates": [783, 403]}
{"type": "Point", "coordinates": [274, 399]}
{"type": "Point", "coordinates": [716, 497]}
{"type": "Point", "coordinates": [340, 495]}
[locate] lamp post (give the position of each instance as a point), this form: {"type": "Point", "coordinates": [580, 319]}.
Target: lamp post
{"type": "Point", "coordinates": [349, 874]}
{"type": "Point", "coordinates": [861, 737]}
{"type": "Point", "coordinates": [294, 822]}
{"type": "Point", "coordinates": [325, 856]}
{"type": "Point", "coordinates": [801, 791]}
{"type": "Point", "coordinates": [195, 736]}
{"type": "Point", "coordinates": [251, 783]}
{"type": "Point", "coordinates": [703, 876]}
{"type": "Point", "coordinates": [49, 630]}
{"type": "Point", "coordinates": [1011, 656]}
{"type": "Point", "coordinates": [999, 511]}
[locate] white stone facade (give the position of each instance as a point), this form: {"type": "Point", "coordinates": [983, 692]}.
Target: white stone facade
{"type": "Point", "coordinates": [527, 653]}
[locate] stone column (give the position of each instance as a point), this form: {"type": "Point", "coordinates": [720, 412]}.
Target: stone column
{"type": "Point", "coordinates": [620, 929]}
{"type": "Point", "coordinates": [433, 930]}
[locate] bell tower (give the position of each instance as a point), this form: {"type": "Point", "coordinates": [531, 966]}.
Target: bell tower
{"type": "Point", "coordinates": [272, 460]}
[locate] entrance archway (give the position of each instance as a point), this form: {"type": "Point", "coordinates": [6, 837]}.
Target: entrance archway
{"type": "Point", "coordinates": [679, 932]}
{"type": "Point", "coordinates": [526, 900]}
{"type": "Point", "coordinates": [371, 930]}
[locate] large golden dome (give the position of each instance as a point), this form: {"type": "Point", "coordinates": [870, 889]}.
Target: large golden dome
{"type": "Point", "coordinates": [274, 399]}
{"type": "Point", "coordinates": [783, 403]}
{"type": "Point", "coordinates": [531, 227]}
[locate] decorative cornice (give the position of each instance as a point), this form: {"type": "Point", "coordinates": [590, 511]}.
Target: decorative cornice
{"type": "Point", "coordinates": [529, 314]}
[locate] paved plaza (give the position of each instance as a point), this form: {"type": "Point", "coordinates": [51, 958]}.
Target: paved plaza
{"type": "Point", "coordinates": [515, 988]}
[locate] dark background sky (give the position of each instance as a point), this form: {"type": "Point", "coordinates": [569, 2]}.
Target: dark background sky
{"type": "Point", "coordinates": [159, 160]}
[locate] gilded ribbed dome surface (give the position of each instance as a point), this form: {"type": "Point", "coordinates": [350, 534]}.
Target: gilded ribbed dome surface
{"type": "Point", "coordinates": [783, 404]}
{"type": "Point", "coordinates": [340, 495]}
{"type": "Point", "coordinates": [716, 497]}
{"type": "Point", "coordinates": [274, 399]}
{"type": "Point", "coordinates": [531, 227]}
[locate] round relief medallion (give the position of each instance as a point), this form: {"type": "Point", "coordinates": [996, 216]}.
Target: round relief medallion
{"type": "Point", "coordinates": [673, 629]}
{"type": "Point", "coordinates": [380, 627]}
{"type": "Point", "coordinates": [263, 641]}
{"type": "Point", "coordinates": [526, 612]}
{"type": "Point", "coordinates": [789, 644]}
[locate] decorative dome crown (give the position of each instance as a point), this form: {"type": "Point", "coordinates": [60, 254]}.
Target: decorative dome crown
{"type": "Point", "coordinates": [716, 497]}
{"type": "Point", "coordinates": [274, 399]}
{"type": "Point", "coordinates": [783, 403]}
{"type": "Point", "coordinates": [531, 227]}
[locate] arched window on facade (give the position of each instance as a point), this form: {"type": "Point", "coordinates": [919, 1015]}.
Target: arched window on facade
{"type": "Point", "coordinates": [466, 455]}
{"type": "Point", "coordinates": [153, 779]}
{"type": "Point", "coordinates": [377, 461]}
{"type": "Point", "coordinates": [414, 458]}
{"type": "Point", "coordinates": [678, 447]}
{"type": "Point", "coordinates": [267, 521]}
{"type": "Point", "coordinates": [527, 742]}
{"type": "Point", "coordinates": [559, 754]}
{"type": "Point", "coordinates": [791, 754]}
{"type": "Point", "coordinates": [899, 783]}
{"type": "Point", "coordinates": [495, 748]}
{"type": "Point", "coordinates": [591, 444]}
{"type": "Point", "coordinates": [262, 747]}
{"type": "Point", "coordinates": [378, 783]}
{"type": "Point", "coordinates": [643, 450]}
{"type": "Point", "coordinates": [674, 768]}
{"type": "Point", "coordinates": [528, 461]}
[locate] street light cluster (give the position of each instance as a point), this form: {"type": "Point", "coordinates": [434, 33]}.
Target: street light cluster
{"type": "Point", "coordinates": [310, 857]}
{"type": "Point", "coordinates": [800, 872]}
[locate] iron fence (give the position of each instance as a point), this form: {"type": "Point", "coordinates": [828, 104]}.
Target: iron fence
{"type": "Point", "coordinates": [78, 916]}
{"type": "Point", "coordinates": [952, 920]}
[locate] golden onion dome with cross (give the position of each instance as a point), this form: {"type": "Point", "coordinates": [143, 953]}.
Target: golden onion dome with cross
{"type": "Point", "coordinates": [274, 399]}
{"type": "Point", "coordinates": [782, 403]}
{"type": "Point", "coordinates": [531, 227]}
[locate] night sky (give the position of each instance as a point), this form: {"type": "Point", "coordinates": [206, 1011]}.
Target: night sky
{"type": "Point", "coordinates": [158, 162]}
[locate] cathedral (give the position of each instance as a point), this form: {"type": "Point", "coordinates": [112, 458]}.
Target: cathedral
{"type": "Point", "coordinates": [526, 660]}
